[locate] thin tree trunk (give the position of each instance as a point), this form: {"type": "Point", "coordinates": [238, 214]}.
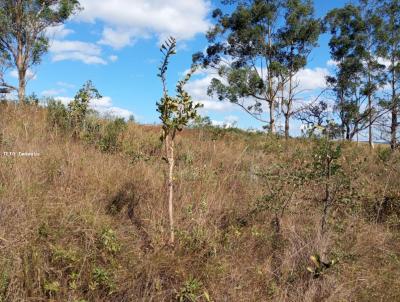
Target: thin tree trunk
{"type": "Point", "coordinates": [393, 141]}
{"type": "Point", "coordinates": [287, 126]}
{"type": "Point", "coordinates": [327, 197]}
{"type": "Point", "coordinates": [270, 90]}
{"type": "Point", "coordinates": [394, 125]}
{"type": "Point", "coordinates": [21, 85]}
{"type": "Point", "coordinates": [370, 138]}
{"type": "Point", "coordinates": [171, 163]}
{"type": "Point", "coordinates": [19, 59]}
{"type": "Point", "coordinates": [348, 135]}
{"type": "Point", "coordinates": [289, 106]}
{"type": "Point", "coordinates": [272, 117]}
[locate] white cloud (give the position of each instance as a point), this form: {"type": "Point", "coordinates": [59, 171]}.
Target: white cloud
{"type": "Point", "coordinates": [312, 79]}
{"type": "Point", "coordinates": [103, 105]}
{"type": "Point", "coordinates": [113, 58]}
{"type": "Point", "coordinates": [65, 85]}
{"type": "Point", "coordinates": [118, 112]}
{"type": "Point", "coordinates": [228, 122]}
{"type": "Point", "coordinates": [52, 92]}
{"type": "Point", "coordinates": [63, 99]}
{"type": "Point", "coordinates": [197, 88]}
{"type": "Point", "coordinates": [87, 53]}
{"type": "Point", "coordinates": [117, 38]}
{"type": "Point", "coordinates": [128, 20]}
{"type": "Point", "coordinates": [58, 32]}
{"type": "Point", "coordinates": [30, 75]}
{"type": "Point", "coordinates": [103, 102]}
{"type": "Point", "coordinates": [215, 105]}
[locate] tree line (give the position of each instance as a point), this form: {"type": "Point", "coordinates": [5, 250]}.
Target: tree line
{"type": "Point", "coordinates": [258, 49]}
{"type": "Point", "coordinates": [260, 46]}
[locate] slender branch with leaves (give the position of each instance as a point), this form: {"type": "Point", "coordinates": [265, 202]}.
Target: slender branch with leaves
{"type": "Point", "coordinates": [175, 113]}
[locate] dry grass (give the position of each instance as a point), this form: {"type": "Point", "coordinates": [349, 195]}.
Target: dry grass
{"type": "Point", "coordinates": [77, 224]}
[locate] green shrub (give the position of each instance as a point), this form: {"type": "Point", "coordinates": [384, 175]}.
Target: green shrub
{"type": "Point", "coordinates": [102, 279]}
{"type": "Point", "coordinates": [79, 107]}
{"type": "Point", "coordinates": [109, 141]}
{"type": "Point", "coordinates": [384, 154]}
{"type": "Point", "coordinates": [57, 115]}
{"type": "Point", "coordinates": [109, 241]}
{"type": "Point", "coordinates": [51, 287]}
{"type": "Point", "coordinates": [92, 132]}
{"type": "Point", "coordinates": [191, 291]}
{"type": "Point", "coordinates": [4, 283]}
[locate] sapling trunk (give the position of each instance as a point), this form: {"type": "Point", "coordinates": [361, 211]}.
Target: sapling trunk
{"type": "Point", "coordinates": [169, 142]}
{"type": "Point", "coordinates": [327, 199]}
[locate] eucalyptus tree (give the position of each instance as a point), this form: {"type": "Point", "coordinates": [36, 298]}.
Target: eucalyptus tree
{"type": "Point", "coordinates": [175, 113]}
{"type": "Point", "coordinates": [23, 25]}
{"type": "Point", "coordinates": [354, 44]}
{"type": "Point", "coordinates": [257, 50]}
{"type": "Point", "coordinates": [389, 50]}
{"type": "Point", "coordinates": [296, 40]}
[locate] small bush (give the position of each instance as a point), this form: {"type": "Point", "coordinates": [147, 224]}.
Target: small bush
{"type": "Point", "coordinates": [191, 291]}
{"type": "Point", "coordinates": [109, 241]}
{"type": "Point", "coordinates": [109, 141]}
{"type": "Point", "coordinates": [57, 115]}
{"type": "Point", "coordinates": [92, 132]}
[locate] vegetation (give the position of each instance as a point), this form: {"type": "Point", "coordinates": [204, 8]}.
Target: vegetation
{"type": "Point", "coordinates": [255, 216]}
{"type": "Point", "coordinates": [23, 40]}
{"type": "Point", "coordinates": [259, 47]}
{"type": "Point", "coordinates": [258, 57]}
{"type": "Point", "coordinates": [84, 224]}
{"type": "Point", "coordinates": [175, 113]}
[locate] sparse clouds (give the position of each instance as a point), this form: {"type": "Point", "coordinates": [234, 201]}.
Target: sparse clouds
{"type": "Point", "coordinates": [58, 32]}
{"type": "Point", "coordinates": [312, 79]}
{"type": "Point", "coordinates": [52, 92]}
{"type": "Point", "coordinates": [87, 53]}
{"type": "Point", "coordinates": [228, 122]}
{"type": "Point", "coordinates": [62, 50]}
{"type": "Point", "coordinates": [116, 38]}
{"type": "Point", "coordinates": [128, 20]}
{"type": "Point", "coordinates": [198, 87]}
{"type": "Point", "coordinates": [65, 85]}
{"type": "Point", "coordinates": [104, 106]}
{"type": "Point", "coordinates": [113, 58]}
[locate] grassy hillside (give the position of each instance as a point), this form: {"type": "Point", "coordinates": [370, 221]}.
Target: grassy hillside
{"type": "Point", "coordinates": [85, 222]}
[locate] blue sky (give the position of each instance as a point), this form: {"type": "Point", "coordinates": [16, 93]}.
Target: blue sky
{"type": "Point", "coordinates": [115, 43]}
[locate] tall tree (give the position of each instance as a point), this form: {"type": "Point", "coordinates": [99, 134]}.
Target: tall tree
{"type": "Point", "coordinates": [389, 50]}
{"type": "Point", "coordinates": [296, 39]}
{"type": "Point", "coordinates": [23, 25]}
{"type": "Point", "coordinates": [354, 45]}
{"type": "Point", "coordinates": [256, 50]}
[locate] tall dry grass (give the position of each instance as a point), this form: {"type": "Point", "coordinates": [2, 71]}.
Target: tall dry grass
{"type": "Point", "coordinates": [77, 224]}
